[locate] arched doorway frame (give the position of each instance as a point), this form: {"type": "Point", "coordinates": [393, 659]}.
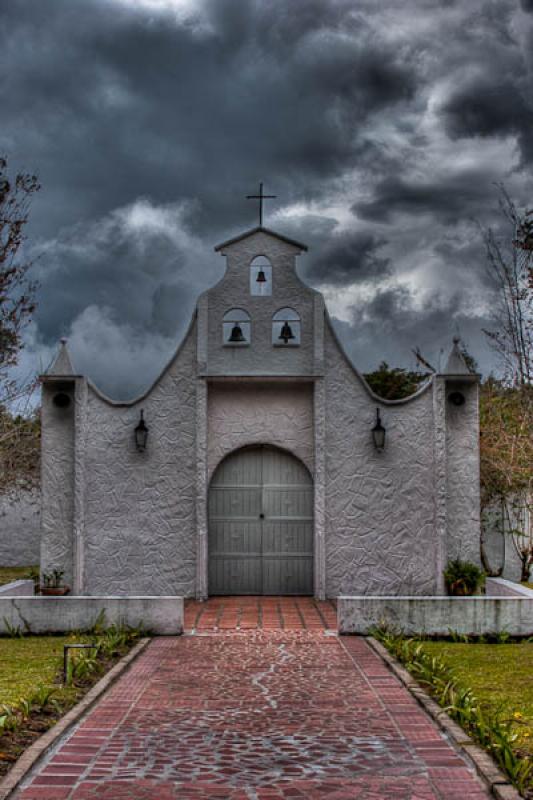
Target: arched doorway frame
{"type": "Point", "coordinates": [318, 473]}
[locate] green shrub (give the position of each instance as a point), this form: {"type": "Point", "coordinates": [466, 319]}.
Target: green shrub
{"type": "Point", "coordinates": [463, 578]}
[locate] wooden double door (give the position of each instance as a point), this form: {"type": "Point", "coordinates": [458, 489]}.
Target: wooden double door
{"type": "Point", "coordinates": [261, 524]}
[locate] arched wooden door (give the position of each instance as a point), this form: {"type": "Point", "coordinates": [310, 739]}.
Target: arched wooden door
{"type": "Point", "coordinates": [261, 524]}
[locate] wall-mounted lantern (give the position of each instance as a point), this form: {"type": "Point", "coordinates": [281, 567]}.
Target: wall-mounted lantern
{"type": "Point", "coordinates": [141, 434]}
{"type": "Point", "coordinates": [378, 433]}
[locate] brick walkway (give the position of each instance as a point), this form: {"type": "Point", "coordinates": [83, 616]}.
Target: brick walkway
{"type": "Point", "coordinates": [270, 613]}
{"type": "Point", "coordinates": [256, 715]}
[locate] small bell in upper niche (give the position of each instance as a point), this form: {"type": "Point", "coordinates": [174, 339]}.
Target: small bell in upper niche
{"type": "Point", "coordinates": [286, 332]}
{"type": "Point", "coordinates": [261, 277]}
{"type": "Point", "coordinates": [236, 334]}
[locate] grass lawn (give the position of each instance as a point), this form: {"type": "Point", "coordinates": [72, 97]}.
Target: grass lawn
{"type": "Point", "coordinates": [501, 677]}
{"type": "Point", "coordinates": [8, 574]}
{"type": "Point", "coordinates": [25, 663]}
{"type": "Point", "coordinates": [32, 697]}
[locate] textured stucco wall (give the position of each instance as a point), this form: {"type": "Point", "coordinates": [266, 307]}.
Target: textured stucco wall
{"type": "Point", "coordinates": [20, 529]}
{"type": "Point", "coordinates": [241, 414]}
{"type": "Point", "coordinates": [462, 469]}
{"type": "Point", "coordinates": [287, 291]}
{"type": "Point", "coordinates": [380, 509]}
{"type": "Point", "coordinates": [57, 483]}
{"type": "Point", "coordinates": [139, 530]}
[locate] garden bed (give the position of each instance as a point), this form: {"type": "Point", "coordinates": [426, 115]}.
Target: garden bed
{"type": "Point", "coordinates": [500, 676]}
{"type": "Point", "coordinates": [485, 687]}
{"type": "Point", "coordinates": [32, 694]}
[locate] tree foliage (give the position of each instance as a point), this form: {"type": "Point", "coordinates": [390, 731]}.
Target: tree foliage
{"type": "Point", "coordinates": [394, 383]}
{"type": "Point", "coordinates": [506, 445]}
{"type": "Point", "coordinates": [506, 406]}
{"type": "Point", "coordinates": [510, 265]}
{"type": "Point", "coordinates": [506, 462]}
{"type": "Point", "coordinates": [19, 435]}
{"type": "Point", "coordinates": [19, 451]}
{"type": "Point", "coordinates": [17, 291]}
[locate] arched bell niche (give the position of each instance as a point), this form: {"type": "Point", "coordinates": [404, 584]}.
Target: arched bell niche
{"type": "Point", "coordinates": [261, 277]}
{"type": "Point", "coordinates": [286, 326]}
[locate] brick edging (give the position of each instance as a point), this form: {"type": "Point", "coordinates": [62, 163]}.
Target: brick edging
{"type": "Point", "coordinates": [497, 782]}
{"type": "Point", "coordinates": [34, 752]}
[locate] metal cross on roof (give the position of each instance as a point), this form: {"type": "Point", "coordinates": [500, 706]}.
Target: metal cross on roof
{"type": "Point", "coordinates": [260, 197]}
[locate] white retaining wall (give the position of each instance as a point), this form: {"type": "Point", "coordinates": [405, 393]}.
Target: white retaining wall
{"type": "Point", "coordinates": [437, 615]}
{"type": "Point", "coordinates": [157, 615]}
{"type": "Point", "coordinates": [499, 587]}
{"type": "Point", "coordinates": [22, 588]}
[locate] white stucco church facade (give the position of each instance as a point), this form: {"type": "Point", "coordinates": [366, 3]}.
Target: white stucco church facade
{"type": "Point", "coordinates": [259, 472]}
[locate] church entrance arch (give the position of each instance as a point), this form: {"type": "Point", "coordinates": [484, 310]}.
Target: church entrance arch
{"type": "Point", "coordinates": [261, 524]}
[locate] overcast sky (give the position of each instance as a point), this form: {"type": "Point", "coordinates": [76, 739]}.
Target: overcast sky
{"type": "Point", "coordinates": [381, 126]}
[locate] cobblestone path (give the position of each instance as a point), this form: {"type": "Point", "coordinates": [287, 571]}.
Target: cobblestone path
{"type": "Point", "coordinates": [256, 715]}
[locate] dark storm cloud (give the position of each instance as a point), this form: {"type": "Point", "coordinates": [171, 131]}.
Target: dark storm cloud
{"type": "Point", "coordinates": [129, 263]}
{"type": "Point", "coordinates": [527, 5]}
{"type": "Point", "coordinates": [448, 200]}
{"type": "Point", "coordinates": [404, 113]}
{"type": "Point", "coordinates": [393, 317]}
{"type": "Point", "coordinates": [129, 104]}
{"type": "Point", "coordinates": [486, 107]}
{"type": "Point", "coordinates": [347, 258]}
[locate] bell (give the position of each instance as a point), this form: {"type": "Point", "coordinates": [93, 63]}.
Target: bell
{"type": "Point", "coordinates": [260, 277]}
{"type": "Point", "coordinates": [236, 334]}
{"type": "Point", "coordinates": [286, 332]}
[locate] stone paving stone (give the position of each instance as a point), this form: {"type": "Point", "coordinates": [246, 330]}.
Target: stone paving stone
{"type": "Point", "coordinates": [268, 613]}
{"type": "Point", "coordinates": [257, 714]}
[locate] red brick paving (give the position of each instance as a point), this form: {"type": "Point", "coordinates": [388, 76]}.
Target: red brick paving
{"type": "Point", "coordinates": [248, 613]}
{"type": "Point", "coordinates": [274, 714]}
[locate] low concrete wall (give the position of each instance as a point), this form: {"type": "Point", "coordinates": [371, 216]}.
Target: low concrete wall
{"type": "Point", "coordinates": [437, 615]}
{"type": "Point", "coordinates": [499, 587]}
{"type": "Point", "coordinates": [158, 615]}
{"type": "Point", "coordinates": [22, 588]}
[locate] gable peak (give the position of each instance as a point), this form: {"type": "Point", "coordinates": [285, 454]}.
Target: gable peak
{"type": "Point", "coordinates": [259, 229]}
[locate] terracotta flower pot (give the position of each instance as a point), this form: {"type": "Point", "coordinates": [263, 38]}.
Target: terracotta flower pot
{"type": "Point", "coordinates": [56, 591]}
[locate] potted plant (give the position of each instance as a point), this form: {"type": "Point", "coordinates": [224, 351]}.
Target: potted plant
{"type": "Point", "coordinates": [52, 583]}
{"type": "Point", "coordinates": [462, 578]}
